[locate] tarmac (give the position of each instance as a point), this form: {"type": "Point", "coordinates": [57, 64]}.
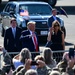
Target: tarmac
{"type": "Point", "coordinates": [67, 5]}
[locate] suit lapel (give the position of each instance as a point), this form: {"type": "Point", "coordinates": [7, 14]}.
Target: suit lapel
{"type": "Point", "coordinates": [31, 37]}
{"type": "Point", "coordinates": [58, 20]}
{"type": "Point", "coordinates": [11, 33]}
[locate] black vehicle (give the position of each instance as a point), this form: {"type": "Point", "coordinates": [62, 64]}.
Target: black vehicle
{"type": "Point", "coordinates": [51, 2]}
{"type": "Point", "coordinates": [38, 12]}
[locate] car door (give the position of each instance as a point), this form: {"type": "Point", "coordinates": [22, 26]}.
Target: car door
{"type": "Point", "coordinates": [6, 16]}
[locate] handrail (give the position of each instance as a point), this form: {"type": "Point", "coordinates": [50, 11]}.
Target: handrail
{"type": "Point", "coordinates": [19, 52]}
{"type": "Point", "coordinates": [40, 52]}
{"type": "Point", "coordinates": [60, 51]}
{"type": "Point", "coordinates": [31, 53]}
{"type": "Point", "coordinates": [1, 60]}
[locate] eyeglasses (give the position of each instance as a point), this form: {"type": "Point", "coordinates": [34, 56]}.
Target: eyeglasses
{"type": "Point", "coordinates": [56, 25]}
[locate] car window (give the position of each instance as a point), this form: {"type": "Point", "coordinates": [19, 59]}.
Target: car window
{"type": "Point", "coordinates": [10, 7]}
{"type": "Point", "coordinates": [38, 9]}
{"type": "Point", "coordinates": [7, 8]}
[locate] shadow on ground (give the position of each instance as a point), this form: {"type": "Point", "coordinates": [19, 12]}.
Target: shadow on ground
{"type": "Point", "coordinates": [68, 44]}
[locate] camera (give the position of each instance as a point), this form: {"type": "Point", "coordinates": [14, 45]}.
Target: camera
{"type": "Point", "coordinates": [34, 63]}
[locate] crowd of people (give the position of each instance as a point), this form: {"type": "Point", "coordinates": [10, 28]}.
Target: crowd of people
{"type": "Point", "coordinates": [26, 41]}
{"type": "Point", "coordinates": [41, 65]}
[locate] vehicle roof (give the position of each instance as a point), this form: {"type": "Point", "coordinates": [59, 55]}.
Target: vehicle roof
{"type": "Point", "coordinates": [28, 2]}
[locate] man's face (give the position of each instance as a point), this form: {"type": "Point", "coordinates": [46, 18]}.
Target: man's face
{"type": "Point", "coordinates": [54, 12]}
{"type": "Point", "coordinates": [31, 27]}
{"type": "Point", "coordinates": [13, 24]}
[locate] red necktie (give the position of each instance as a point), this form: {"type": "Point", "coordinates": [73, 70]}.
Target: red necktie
{"type": "Point", "coordinates": [35, 43]}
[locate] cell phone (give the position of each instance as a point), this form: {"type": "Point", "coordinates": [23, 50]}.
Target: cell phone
{"type": "Point", "coordinates": [71, 53]}
{"type": "Point", "coordinates": [34, 67]}
{"type": "Point", "coordinates": [34, 63]}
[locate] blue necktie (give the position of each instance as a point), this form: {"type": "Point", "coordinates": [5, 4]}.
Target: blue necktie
{"type": "Point", "coordinates": [14, 32]}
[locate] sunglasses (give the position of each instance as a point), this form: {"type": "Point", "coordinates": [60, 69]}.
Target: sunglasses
{"type": "Point", "coordinates": [56, 25]}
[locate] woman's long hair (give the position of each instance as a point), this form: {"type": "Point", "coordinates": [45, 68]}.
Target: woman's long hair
{"type": "Point", "coordinates": [25, 54]}
{"type": "Point", "coordinates": [48, 55]}
{"type": "Point", "coordinates": [56, 23]}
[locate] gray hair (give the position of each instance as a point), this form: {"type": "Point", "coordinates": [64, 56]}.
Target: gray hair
{"type": "Point", "coordinates": [31, 72]}
{"type": "Point", "coordinates": [55, 73]}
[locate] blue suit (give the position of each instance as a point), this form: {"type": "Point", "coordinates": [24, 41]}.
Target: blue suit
{"type": "Point", "coordinates": [12, 44]}
{"type": "Point", "coordinates": [27, 41]}
{"type": "Point", "coordinates": [51, 19]}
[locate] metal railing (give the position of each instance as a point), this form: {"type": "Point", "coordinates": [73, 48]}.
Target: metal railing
{"type": "Point", "coordinates": [1, 59]}
{"type": "Point", "coordinates": [56, 54]}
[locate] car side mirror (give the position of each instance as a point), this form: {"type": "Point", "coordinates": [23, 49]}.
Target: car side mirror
{"type": "Point", "coordinates": [12, 14]}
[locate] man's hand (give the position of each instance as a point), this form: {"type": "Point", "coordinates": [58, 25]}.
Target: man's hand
{"type": "Point", "coordinates": [41, 63]}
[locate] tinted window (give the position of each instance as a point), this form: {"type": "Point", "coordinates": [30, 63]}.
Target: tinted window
{"type": "Point", "coordinates": [7, 8]}
{"type": "Point", "coordinates": [10, 7]}
{"type": "Point", "coordinates": [36, 9]}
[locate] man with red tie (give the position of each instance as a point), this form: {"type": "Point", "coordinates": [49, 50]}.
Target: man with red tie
{"type": "Point", "coordinates": [29, 38]}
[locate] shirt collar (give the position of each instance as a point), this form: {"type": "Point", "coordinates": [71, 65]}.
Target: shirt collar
{"type": "Point", "coordinates": [30, 31]}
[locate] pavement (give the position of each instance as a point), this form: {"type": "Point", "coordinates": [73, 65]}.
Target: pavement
{"type": "Point", "coordinates": [67, 5]}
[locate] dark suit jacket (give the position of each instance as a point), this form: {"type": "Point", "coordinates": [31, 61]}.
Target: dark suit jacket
{"type": "Point", "coordinates": [27, 41]}
{"type": "Point", "coordinates": [12, 44]}
{"type": "Point", "coordinates": [51, 19]}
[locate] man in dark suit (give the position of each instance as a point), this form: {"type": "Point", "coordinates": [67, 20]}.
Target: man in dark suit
{"type": "Point", "coordinates": [53, 18]}
{"type": "Point", "coordinates": [12, 37]}
{"type": "Point", "coordinates": [29, 38]}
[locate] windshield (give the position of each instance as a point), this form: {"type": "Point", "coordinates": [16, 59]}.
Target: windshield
{"type": "Point", "coordinates": [36, 9]}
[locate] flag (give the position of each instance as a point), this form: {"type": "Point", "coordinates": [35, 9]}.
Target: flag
{"type": "Point", "coordinates": [24, 13]}
{"type": "Point", "coordinates": [62, 12]}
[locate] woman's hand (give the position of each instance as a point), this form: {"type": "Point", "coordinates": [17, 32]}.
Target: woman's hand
{"type": "Point", "coordinates": [28, 64]}
{"type": "Point", "coordinates": [71, 62]}
{"type": "Point", "coordinates": [51, 29]}
{"type": "Point", "coordinates": [49, 34]}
